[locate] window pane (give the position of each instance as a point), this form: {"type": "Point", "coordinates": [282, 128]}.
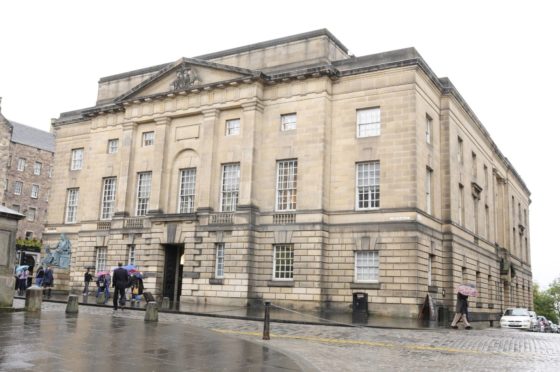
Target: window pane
{"type": "Point", "coordinates": [71, 205]}
{"type": "Point", "coordinates": [288, 122]}
{"type": "Point", "coordinates": [219, 260]}
{"type": "Point", "coordinates": [368, 122]}
{"type": "Point", "coordinates": [108, 197]}
{"type": "Point", "coordinates": [367, 266]}
{"type": "Point", "coordinates": [144, 189]}
{"type": "Point", "coordinates": [283, 262]}
{"type": "Point", "coordinates": [230, 187]}
{"type": "Point", "coordinates": [233, 127]}
{"type": "Point", "coordinates": [187, 179]}
{"type": "Point", "coordinates": [367, 185]}
{"type": "Point", "coordinates": [286, 185]}
{"type": "Point", "coordinates": [77, 159]}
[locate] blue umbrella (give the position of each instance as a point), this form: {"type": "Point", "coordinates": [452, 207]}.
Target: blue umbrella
{"type": "Point", "coordinates": [130, 268]}
{"type": "Point", "coordinates": [138, 274]}
{"type": "Point", "coordinates": [21, 268]}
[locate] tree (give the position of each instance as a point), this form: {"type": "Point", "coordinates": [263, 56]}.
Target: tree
{"type": "Point", "coordinates": [554, 292]}
{"type": "Point", "coordinates": [544, 304]}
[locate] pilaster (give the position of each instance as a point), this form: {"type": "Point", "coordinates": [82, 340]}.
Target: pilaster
{"type": "Point", "coordinates": [205, 171]}
{"type": "Point", "coordinates": [252, 115]}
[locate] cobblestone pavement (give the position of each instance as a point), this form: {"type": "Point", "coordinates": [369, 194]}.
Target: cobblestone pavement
{"type": "Point", "coordinates": [329, 348]}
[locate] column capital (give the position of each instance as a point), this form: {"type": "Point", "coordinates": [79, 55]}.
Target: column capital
{"type": "Point", "coordinates": [253, 106]}
{"type": "Point", "coordinates": [165, 120]}
{"type": "Point", "coordinates": [210, 113]}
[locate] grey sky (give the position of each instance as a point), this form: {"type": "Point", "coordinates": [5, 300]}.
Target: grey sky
{"type": "Point", "coordinates": [502, 57]}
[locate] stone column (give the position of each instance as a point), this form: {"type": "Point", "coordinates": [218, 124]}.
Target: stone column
{"type": "Point", "coordinates": [159, 171]}
{"type": "Point", "coordinates": [125, 180]}
{"type": "Point", "coordinates": [252, 113]}
{"type": "Point", "coordinates": [206, 168]}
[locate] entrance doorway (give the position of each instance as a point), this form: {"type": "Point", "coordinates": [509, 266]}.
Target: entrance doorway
{"type": "Point", "coordinates": [173, 271]}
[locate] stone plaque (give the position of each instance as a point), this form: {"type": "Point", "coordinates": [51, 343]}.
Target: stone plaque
{"type": "Point", "coordinates": [187, 132]}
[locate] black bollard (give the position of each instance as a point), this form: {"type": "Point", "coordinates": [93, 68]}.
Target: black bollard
{"type": "Point", "coordinates": [266, 330]}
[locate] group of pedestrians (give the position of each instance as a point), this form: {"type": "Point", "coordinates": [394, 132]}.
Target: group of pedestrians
{"type": "Point", "coordinates": [43, 279]}
{"type": "Point", "coordinates": [120, 281]}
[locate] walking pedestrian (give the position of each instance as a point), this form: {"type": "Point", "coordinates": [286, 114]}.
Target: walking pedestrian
{"type": "Point", "coordinates": [22, 281]}
{"type": "Point", "coordinates": [103, 287]}
{"type": "Point", "coordinates": [87, 279]}
{"type": "Point", "coordinates": [120, 282]}
{"type": "Point", "coordinates": [39, 277]}
{"type": "Point", "coordinates": [48, 282]}
{"type": "Point", "coordinates": [461, 312]}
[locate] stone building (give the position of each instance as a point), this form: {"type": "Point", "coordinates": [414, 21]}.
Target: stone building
{"type": "Point", "coordinates": [291, 171]}
{"type": "Point", "coordinates": [26, 168]}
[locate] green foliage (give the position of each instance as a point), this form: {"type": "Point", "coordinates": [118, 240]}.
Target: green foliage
{"type": "Point", "coordinates": [554, 292]}
{"type": "Point", "coordinates": [545, 303]}
{"type": "Point", "coordinates": [28, 245]}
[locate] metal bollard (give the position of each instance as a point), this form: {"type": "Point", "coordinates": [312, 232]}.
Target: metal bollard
{"type": "Point", "coordinates": [266, 330]}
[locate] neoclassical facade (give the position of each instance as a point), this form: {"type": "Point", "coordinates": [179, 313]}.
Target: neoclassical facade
{"type": "Point", "coordinates": [293, 172]}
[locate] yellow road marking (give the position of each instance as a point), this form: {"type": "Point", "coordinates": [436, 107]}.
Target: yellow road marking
{"type": "Point", "coordinates": [364, 343]}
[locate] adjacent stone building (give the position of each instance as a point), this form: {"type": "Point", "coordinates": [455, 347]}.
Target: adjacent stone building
{"type": "Point", "coordinates": [291, 171]}
{"type": "Point", "coordinates": [26, 169]}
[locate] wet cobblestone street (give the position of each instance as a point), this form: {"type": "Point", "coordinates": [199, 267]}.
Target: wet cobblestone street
{"type": "Point", "coordinates": [329, 348]}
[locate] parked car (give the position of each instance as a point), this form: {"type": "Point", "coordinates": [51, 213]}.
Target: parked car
{"type": "Point", "coordinates": [554, 327]}
{"type": "Point", "coordinates": [545, 324]}
{"type": "Point", "coordinates": [516, 318]}
{"type": "Point", "coordinates": [535, 325]}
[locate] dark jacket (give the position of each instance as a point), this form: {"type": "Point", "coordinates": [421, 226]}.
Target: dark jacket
{"type": "Point", "coordinates": [87, 277]}
{"type": "Point", "coordinates": [48, 278]}
{"type": "Point", "coordinates": [120, 278]}
{"type": "Point", "coordinates": [462, 306]}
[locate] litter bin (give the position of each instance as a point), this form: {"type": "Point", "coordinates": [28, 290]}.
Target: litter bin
{"type": "Point", "coordinates": [360, 308]}
{"type": "Point", "coordinates": [360, 302]}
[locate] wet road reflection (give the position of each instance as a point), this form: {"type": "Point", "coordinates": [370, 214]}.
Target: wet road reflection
{"type": "Point", "coordinates": [56, 342]}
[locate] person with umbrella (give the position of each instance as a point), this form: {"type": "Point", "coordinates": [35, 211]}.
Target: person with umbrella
{"type": "Point", "coordinates": [462, 306]}
{"type": "Point", "coordinates": [137, 287]}
{"type": "Point", "coordinates": [22, 273]}
{"type": "Point", "coordinates": [103, 285]}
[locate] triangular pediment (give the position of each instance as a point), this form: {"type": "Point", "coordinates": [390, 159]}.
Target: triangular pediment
{"type": "Point", "coordinates": [186, 74]}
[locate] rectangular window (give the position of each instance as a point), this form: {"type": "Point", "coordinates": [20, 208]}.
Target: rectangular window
{"type": "Point", "coordinates": [6, 184]}
{"type": "Point", "coordinates": [288, 122]}
{"type": "Point", "coordinates": [187, 182]}
{"type": "Point", "coordinates": [460, 150]}
{"type": "Point", "coordinates": [15, 207]}
{"type": "Point", "coordinates": [72, 205]}
{"type": "Point", "coordinates": [428, 191]}
{"type": "Point", "coordinates": [366, 266]}
{"type": "Point", "coordinates": [431, 259]}
{"type": "Point", "coordinates": [286, 185]}
{"type": "Point", "coordinates": [487, 221]}
{"type": "Point", "coordinates": [490, 289]}
{"type": "Point", "coordinates": [31, 214]}
{"type": "Point", "coordinates": [233, 127]}
{"type": "Point", "coordinates": [486, 178]}
{"type": "Point", "coordinates": [368, 122]}
{"type": "Point", "coordinates": [108, 197]}
{"type": "Point", "coordinates": [18, 186]}
{"type": "Point", "coordinates": [219, 260]}
{"type": "Point", "coordinates": [283, 262]}
{"type": "Point", "coordinates": [143, 191]}
{"type": "Point", "coordinates": [367, 185]}
{"type": "Point", "coordinates": [21, 164]}
{"type": "Point", "coordinates": [51, 170]}
{"type": "Point", "coordinates": [476, 220]}
{"type": "Point", "coordinates": [428, 130]}
{"type": "Point", "coordinates": [148, 138]}
{"type": "Point", "coordinates": [28, 235]}
{"type": "Point", "coordinates": [100, 259]}
{"type": "Point", "coordinates": [474, 165]}
{"type": "Point", "coordinates": [113, 146]}
{"type": "Point", "coordinates": [37, 168]}
{"type": "Point", "coordinates": [131, 254]}
{"type": "Point", "coordinates": [77, 159]}
{"type": "Point", "coordinates": [34, 191]}
{"type": "Point", "coordinates": [230, 187]}
{"type": "Point", "coordinates": [461, 203]}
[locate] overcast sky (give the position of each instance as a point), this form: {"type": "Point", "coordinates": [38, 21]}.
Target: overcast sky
{"type": "Point", "coordinates": [503, 57]}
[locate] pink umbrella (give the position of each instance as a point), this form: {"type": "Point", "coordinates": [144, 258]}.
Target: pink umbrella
{"type": "Point", "coordinates": [467, 290]}
{"type": "Point", "coordinates": [100, 273]}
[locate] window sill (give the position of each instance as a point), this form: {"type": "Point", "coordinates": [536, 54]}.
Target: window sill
{"type": "Point", "coordinates": [365, 285]}
{"type": "Point", "coordinates": [281, 283]}
{"type": "Point", "coordinates": [215, 281]}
